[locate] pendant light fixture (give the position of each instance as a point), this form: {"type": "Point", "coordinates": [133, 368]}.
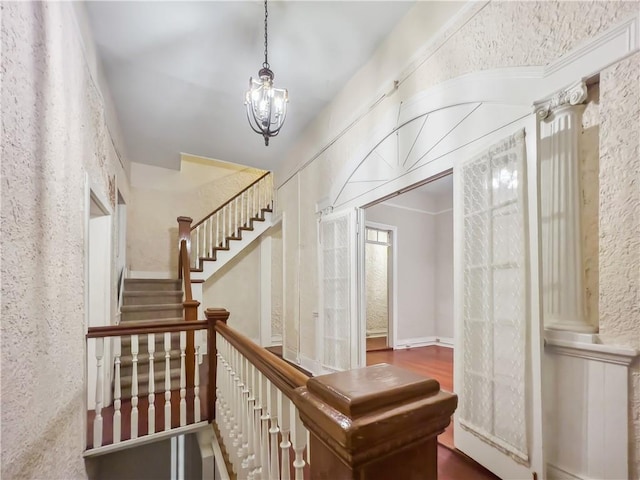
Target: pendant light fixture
{"type": "Point", "coordinates": [266, 105]}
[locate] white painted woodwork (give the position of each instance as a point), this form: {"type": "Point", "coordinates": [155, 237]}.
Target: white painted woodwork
{"type": "Point", "coordinates": [97, 422]}
{"type": "Point", "coordinates": [151, 417]}
{"type": "Point", "coordinates": [183, 379]}
{"type": "Point", "coordinates": [196, 385]}
{"type": "Point", "coordinates": [496, 307]}
{"type": "Point", "coordinates": [117, 392]}
{"type": "Point", "coordinates": [299, 441]}
{"type": "Point", "coordinates": [228, 220]}
{"type": "Point", "coordinates": [167, 381]}
{"type": "Point", "coordinates": [264, 426]}
{"type": "Point", "coordinates": [134, 386]}
{"type": "Point", "coordinates": [341, 347]}
{"type": "Point", "coordinates": [560, 195]}
{"type": "Point", "coordinates": [284, 415]}
{"type": "Point", "coordinates": [274, 430]}
{"type": "Point", "coordinates": [588, 386]}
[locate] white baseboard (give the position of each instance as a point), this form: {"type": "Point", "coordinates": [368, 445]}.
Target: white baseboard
{"type": "Point", "coordinates": [556, 473]}
{"type": "Point", "coordinates": [148, 274]}
{"type": "Point", "coordinates": [445, 342]}
{"type": "Point", "coordinates": [424, 342]}
{"type": "Point", "coordinates": [379, 332]}
{"type": "Point", "coordinates": [276, 339]}
{"type": "Point", "coordinates": [416, 342]}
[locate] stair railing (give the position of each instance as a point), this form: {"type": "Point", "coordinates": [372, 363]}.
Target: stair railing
{"type": "Point", "coordinates": [377, 422]}
{"type": "Point", "coordinates": [214, 231]}
{"type": "Point", "coordinates": [163, 410]}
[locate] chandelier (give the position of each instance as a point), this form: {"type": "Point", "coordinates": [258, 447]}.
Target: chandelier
{"type": "Point", "coordinates": [266, 105]}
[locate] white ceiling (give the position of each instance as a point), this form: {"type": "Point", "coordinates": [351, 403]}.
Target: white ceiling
{"type": "Point", "coordinates": [178, 70]}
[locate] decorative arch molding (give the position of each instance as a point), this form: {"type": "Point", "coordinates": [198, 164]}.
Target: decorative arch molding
{"type": "Point", "coordinates": [460, 116]}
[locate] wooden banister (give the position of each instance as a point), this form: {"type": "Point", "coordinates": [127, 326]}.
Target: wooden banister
{"type": "Point", "coordinates": [142, 327]}
{"type": "Point", "coordinates": [280, 373]}
{"type": "Point", "coordinates": [230, 200]}
{"type": "Point", "coordinates": [377, 422]}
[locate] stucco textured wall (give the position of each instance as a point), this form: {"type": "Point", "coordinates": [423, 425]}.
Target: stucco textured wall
{"type": "Point", "coordinates": [161, 195]}
{"type": "Point", "coordinates": [500, 34]}
{"type": "Point", "coordinates": [620, 222]}
{"type": "Point", "coordinates": [53, 131]}
{"type": "Point", "coordinates": [377, 289]}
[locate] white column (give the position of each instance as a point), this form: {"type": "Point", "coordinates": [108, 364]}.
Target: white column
{"type": "Point", "coordinates": [562, 267]}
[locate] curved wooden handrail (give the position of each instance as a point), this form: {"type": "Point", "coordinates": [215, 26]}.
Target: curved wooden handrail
{"type": "Point", "coordinates": [140, 328]}
{"type": "Point", "coordinates": [229, 201]}
{"type": "Point", "coordinates": [280, 373]}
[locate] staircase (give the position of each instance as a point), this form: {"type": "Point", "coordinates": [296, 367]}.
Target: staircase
{"type": "Point", "coordinates": [145, 300]}
{"type": "Point", "coordinates": [221, 235]}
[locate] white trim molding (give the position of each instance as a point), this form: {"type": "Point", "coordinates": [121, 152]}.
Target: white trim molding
{"type": "Point", "coordinates": [445, 342]}
{"type": "Point", "coordinates": [618, 355]}
{"type": "Point", "coordinates": [416, 342]}
{"type": "Point", "coordinates": [413, 209]}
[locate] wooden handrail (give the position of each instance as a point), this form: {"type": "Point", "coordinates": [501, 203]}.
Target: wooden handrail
{"type": "Point", "coordinates": [140, 328]}
{"type": "Point", "coordinates": [230, 200]}
{"type": "Point", "coordinates": [285, 377]}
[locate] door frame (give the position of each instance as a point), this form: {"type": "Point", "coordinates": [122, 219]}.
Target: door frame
{"type": "Point", "coordinates": [392, 284]}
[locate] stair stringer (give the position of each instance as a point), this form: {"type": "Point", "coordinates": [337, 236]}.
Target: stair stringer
{"type": "Point", "coordinates": [210, 267]}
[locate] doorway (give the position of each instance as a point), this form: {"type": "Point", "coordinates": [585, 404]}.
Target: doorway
{"type": "Point", "coordinates": [379, 281]}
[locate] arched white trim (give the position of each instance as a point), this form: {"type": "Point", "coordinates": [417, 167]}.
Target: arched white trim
{"type": "Point", "coordinates": [509, 92]}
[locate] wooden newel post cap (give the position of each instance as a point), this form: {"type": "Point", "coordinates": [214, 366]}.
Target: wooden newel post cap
{"type": "Point", "coordinates": [185, 219]}
{"type": "Point", "coordinates": [217, 314]}
{"type": "Point", "coordinates": [369, 418]}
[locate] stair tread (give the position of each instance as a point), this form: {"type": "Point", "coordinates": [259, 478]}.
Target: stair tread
{"type": "Point", "coordinates": [151, 280]}
{"type": "Point", "coordinates": [157, 374]}
{"type": "Point", "coordinates": [155, 306]}
{"type": "Point", "coordinates": [143, 357]}
{"type": "Point", "coordinates": [143, 323]}
{"type": "Point", "coordinates": [152, 293]}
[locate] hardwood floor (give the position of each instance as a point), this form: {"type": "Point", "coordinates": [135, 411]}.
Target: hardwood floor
{"type": "Point", "coordinates": [436, 362]}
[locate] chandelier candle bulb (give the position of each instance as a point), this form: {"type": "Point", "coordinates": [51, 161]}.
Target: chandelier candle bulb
{"type": "Point", "coordinates": [266, 105]}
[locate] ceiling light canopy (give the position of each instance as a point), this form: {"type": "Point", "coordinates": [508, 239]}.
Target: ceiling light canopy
{"type": "Point", "coordinates": [266, 105]}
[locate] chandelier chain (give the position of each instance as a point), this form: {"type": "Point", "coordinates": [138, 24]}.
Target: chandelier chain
{"type": "Point", "coordinates": [266, 43]}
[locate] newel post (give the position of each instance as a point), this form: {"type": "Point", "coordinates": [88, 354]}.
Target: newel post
{"type": "Point", "coordinates": [213, 315]}
{"type": "Point", "coordinates": [377, 422]}
{"type": "Point", "coordinates": [184, 233]}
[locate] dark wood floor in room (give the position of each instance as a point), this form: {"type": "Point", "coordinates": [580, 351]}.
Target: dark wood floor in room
{"type": "Point", "coordinates": [436, 362]}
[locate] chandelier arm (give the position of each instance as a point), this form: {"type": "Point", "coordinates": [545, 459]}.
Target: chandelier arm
{"type": "Point", "coordinates": [252, 118]}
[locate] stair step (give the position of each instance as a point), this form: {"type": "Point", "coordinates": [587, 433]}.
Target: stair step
{"type": "Point", "coordinates": [152, 284]}
{"type": "Point", "coordinates": [151, 312]}
{"type": "Point", "coordinates": [153, 297]}
{"type": "Point", "coordinates": [143, 383]}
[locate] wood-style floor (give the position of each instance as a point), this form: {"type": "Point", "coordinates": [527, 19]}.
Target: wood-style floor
{"type": "Point", "coordinates": [436, 362]}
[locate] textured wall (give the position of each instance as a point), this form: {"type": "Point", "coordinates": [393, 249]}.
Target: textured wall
{"type": "Point", "coordinates": [500, 34]}
{"type": "Point", "coordinates": [377, 288]}
{"type": "Point", "coordinates": [236, 287]}
{"type": "Point", "coordinates": [589, 167]}
{"type": "Point", "coordinates": [161, 195]}
{"type": "Point", "coordinates": [276, 280]}
{"type": "Point", "coordinates": [620, 222]}
{"type": "Point", "coordinates": [53, 131]}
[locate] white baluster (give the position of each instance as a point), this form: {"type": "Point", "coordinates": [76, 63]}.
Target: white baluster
{"type": "Point", "coordinates": [237, 225]}
{"type": "Point", "coordinates": [167, 381]}
{"type": "Point", "coordinates": [117, 392]}
{"type": "Point", "coordinates": [245, 419]}
{"type": "Point", "coordinates": [242, 217]}
{"type": "Point", "coordinates": [285, 445]}
{"type": "Point", "coordinates": [251, 458]}
{"type": "Point", "coordinates": [211, 237]}
{"type": "Point", "coordinates": [224, 226]}
{"type": "Point", "coordinates": [230, 220]}
{"type": "Point", "coordinates": [196, 386]}
{"type": "Point", "coordinates": [134, 386]}
{"type": "Point", "coordinates": [97, 421]}
{"type": "Point", "coordinates": [274, 464]}
{"type": "Point", "coordinates": [257, 427]}
{"type": "Point", "coordinates": [264, 427]}
{"type": "Point", "coordinates": [299, 439]}
{"type": "Point", "coordinates": [218, 229]}
{"type": "Point", "coordinates": [197, 256]}
{"type": "Point", "coordinates": [151, 348]}
{"type": "Point", "coordinates": [183, 379]}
